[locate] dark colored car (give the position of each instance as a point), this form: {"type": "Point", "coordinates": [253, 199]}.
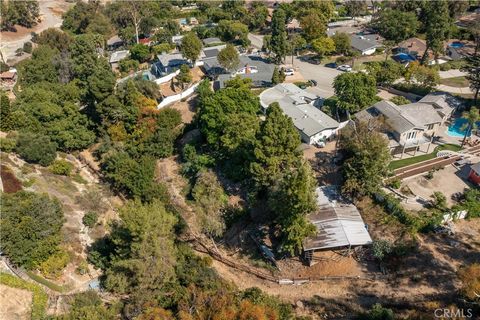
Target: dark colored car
{"type": "Point", "coordinates": [313, 82]}
{"type": "Point", "coordinates": [331, 65]}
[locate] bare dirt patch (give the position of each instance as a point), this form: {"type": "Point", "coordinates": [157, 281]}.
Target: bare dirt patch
{"type": "Point", "coordinates": [186, 108]}
{"type": "Point", "coordinates": [15, 304]}
{"type": "Point", "coordinates": [10, 183]}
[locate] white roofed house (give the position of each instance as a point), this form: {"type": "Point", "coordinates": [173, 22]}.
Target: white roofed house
{"type": "Point", "coordinates": [313, 125]}
{"type": "Point", "coordinates": [412, 126]}
{"type": "Point", "coordinates": [118, 56]}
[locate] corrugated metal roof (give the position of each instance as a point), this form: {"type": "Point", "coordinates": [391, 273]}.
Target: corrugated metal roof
{"type": "Point", "coordinates": [338, 223]}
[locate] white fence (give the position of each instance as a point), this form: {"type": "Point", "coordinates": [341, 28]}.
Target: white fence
{"type": "Point", "coordinates": [177, 97]}
{"type": "Point", "coordinates": [166, 78]}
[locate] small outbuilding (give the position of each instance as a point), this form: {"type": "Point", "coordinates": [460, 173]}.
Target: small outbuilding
{"type": "Point", "coordinates": [338, 222]}
{"type": "Point", "coordinates": [118, 56]}
{"type": "Point", "coordinates": [474, 175]}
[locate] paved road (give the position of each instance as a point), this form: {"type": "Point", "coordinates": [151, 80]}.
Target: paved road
{"type": "Point", "coordinates": [323, 75]}
{"type": "Point", "coordinates": [256, 39]}
{"type": "Point", "coordinates": [451, 74]}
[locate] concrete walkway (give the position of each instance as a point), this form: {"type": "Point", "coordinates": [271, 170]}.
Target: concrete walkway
{"type": "Point", "coordinates": [454, 73]}
{"type": "Point", "coordinates": [464, 90]}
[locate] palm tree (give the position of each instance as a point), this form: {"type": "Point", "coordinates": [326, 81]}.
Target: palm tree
{"type": "Point", "coordinates": [472, 117]}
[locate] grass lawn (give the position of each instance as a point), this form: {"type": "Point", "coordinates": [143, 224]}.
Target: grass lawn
{"type": "Point", "coordinates": [459, 82]}
{"type": "Point", "coordinates": [408, 161]}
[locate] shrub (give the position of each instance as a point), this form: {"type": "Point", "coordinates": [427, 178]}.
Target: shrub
{"type": "Point", "coordinates": [7, 145]}
{"type": "Point", "coordinates": [82, 267]}
{"type": "Point", "coordinates": [27, 47]}
{"type": "Point", "coordinates": [399, 100]}
{"type": "Point", "coordinates": [90, 219]}
{"type": "Point", "coordinates": [381, 249]}
{"type": "Point", "coordinates": [395, 183]}
{"type": "Point", "coordinates": [127, 65]}
{"type": "Point", "coordinates": [36, 148]}
{"type": "Point", "coordinates": [377, 312]}
{"type": "Point", "coordinates": [61, 167]}
{"type": "Point", "coordinates": [470, 277]}
{"type": "Point", "coordinates": [53, 266]}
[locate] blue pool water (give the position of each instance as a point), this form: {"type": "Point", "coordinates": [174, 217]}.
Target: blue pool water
{"type": "Point", "coordinates": [404, 57]}
{"type": "Point", "coordinates": [455, 129]}
{"type": "Point", "coordinates": [456, 45]}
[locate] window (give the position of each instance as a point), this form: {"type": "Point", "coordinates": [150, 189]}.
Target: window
{"type": "Point", "coordinates": [430, 126]}
{"type": "Point", "coordinates": [411, 135]}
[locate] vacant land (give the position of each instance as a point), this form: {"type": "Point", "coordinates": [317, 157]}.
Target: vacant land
{"type": "Point", "coordinates": [15, 304]}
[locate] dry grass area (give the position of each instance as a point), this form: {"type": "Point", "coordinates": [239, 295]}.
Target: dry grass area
{"type": "Point", "coordinates": [15, 304]}
{"type": "Point", "coordinates": [77, 194]}
{"type": "Point", "coordinates": [167, 90]}
{"type": "Point", "coordinates": [186, 108]}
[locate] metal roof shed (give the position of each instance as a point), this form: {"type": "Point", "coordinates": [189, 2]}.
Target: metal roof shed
{"type": "Point", "coordinates": [339, 224]}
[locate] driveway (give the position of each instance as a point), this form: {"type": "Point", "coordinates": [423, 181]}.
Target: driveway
{"type": "Point", "coordinates": [256, 40]}
{"type": "Point", "coordinates": [323, 75]}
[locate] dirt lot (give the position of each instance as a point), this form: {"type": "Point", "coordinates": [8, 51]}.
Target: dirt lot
{"type": "Point", "coordinates": [186, 108]}
{"type": "Point", "coordinates": [50, 15]}
{"type": "Point", "coordinates": [448, 181]}
{"type": "Point", "coordinates": [15, 304]}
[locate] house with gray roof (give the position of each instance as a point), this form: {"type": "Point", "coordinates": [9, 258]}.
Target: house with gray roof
{"type": "Point", "coordinates": [365, 44]}
{"type": "Point", "coordinates": [168, 62]}
{"type": "Point", "coordinates": [411, 125]}
{"type": "Point", "coordinates": [338, 223]}
{"type": "Point", "coordinates": [118, 56]}
{"type": "Point", "coordinates": [314, 125]}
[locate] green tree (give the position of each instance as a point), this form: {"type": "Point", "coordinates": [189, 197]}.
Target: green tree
{"type": "Point", "coordinates": [292, 199]}
{"type": "Point", "coordinates": [39, 68]}
{"type": "Point", "coordinates": [471, 117]}
{"type": "Point", "coordinates": [54, 38]}
{"type": "Point", "coordinates": [437, 27]}
{"type": "Point", "coordinates": [211, 199]}
{"type": "Point", "coordinates": [276, 76]}
{"type": "Point", "coordinates": [385, 72]}
{"type": "Point", "coordinates": [342, 42]}
{"type": "Point", "coordinates": [61, 167]}
{"type": "Point", "coordinates": [184, 76]}
{"type": "Point", "coordinates": [278, 41]}
{"type": "Point", "coordinates": [355, 91]}
{"type": "Point", "coordinates": [24, 13]}
{"type": "Point", "coordinates": [377, 312]}
{"type": "Point", "coordinates": [366, 160]}
{"type": "Point", "coordinates": [5, 112]}
{"type": "Point", "coordinates": [323, 46]}
{"type": "Point", "coordinates": [191, 47]}
{"type": "Point", "coordinates": [276, 148]}
{"type": "Point", "coordinates": [31, 226]}
{"type": "Point", "coordinates": [132, 176]}
{"type": "Point", "coordinates": [259, 14]}
{"type": "Point", "coordinates": [140, 52]}
{"type": "Point", "coordinates": [88, 305]}
{"type": "Point", "coordinates": [314, 26]}
{"type": "Point", "coordinates": [36, 148]}
{"type": "Point", "coordinates": [355, 8]}
{"type": "Point", "coordinates": [228, 58]}
{"type": "Point", "coordinates": [130, 15]}
{"type": "Point", "coordinates": [143, 258]}
{"type": "Point", "coordinates": [229, 30]}
{"type": "Point", "coordinates": [426, 76]}
{"type": "Point", "coordinates": [472, 66]}
{"type": "Point", "coordinates": [396, 25]}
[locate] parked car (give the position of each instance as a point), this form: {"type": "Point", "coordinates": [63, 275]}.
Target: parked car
{"type": "Point", "coordinates": [345, 67]}
{"type": "Point", "coordinates": [313, 82]}
{"type": "Point", "coordinates": [331, 65]}
{"type": "Point", "coordinates": [289, 72]}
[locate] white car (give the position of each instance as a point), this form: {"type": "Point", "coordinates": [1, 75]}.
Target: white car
{"type": "Point", "coordinates": [344, 67]}
{"type": "Point", "coordinates": [289, 72]}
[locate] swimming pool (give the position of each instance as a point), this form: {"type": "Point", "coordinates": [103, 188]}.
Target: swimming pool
{"type": "Point", "coordinates": [404, 57]}
{"type": "Point", "coordinates": [456, 45]}
{"type": "Point", "coordinates": [455, 129]}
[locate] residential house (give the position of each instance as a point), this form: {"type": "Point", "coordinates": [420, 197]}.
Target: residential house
{"type": "Point", "coordinates": [177, 39]}
{"type": "Point", "coordinates": [457, 50]}
{"type": "Point", "coordinates": [251, 66]}
{"type": "Point", "coordinates": [365, 44]}
{"type": "Point", "coordinates": [114, 43]}
{"type": "Point", "coordinates": [313, 125]}
{"type": "Point", "coordinates": [168, 63]}
{"type": "Point", "coordinates": [338, 223]}
{"type": "Point", "coordinates": [474, 175]}
{"type": "Point", "coordinates": [146, 41]}
{"type": "Point", "coordinates": [118, 56]}
{"type": "Point", "coordinates": [413, 125]}
{"type": "Point", "coordinates": [8, 79]}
